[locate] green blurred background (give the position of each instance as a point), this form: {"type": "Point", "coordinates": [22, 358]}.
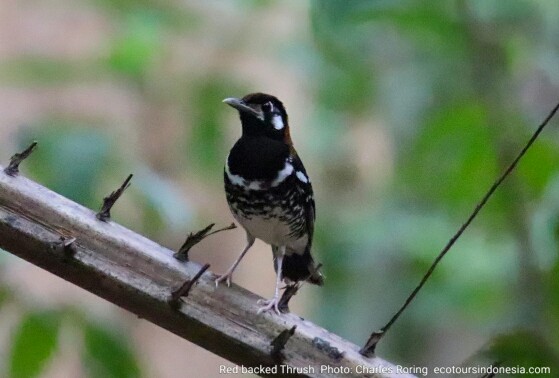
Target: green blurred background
{"type": "Point", "coordinates": [403, 111]}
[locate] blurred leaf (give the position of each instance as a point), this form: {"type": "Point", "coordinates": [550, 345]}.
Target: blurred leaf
{"type": "Point", "coordinates": [523, 348]}
{"type": "Point", "coordinates": [134, 52]}
{"type": "Point", "coordinates": [165, 205]}
{"type": "Point", "coordinates": [538, 166]}
{"type": "Point", "coordinates": [344, 78]}
{"type": "Point", "coordinates": [453, 161]}
{"type": "Point", "coordinates": [5, 293]}
{"type": "Point", "coordinates": [346, 88]}
{"type": "Point", "coordinates": [168, 13]}
{"type": "Point", "coordinates": [544, 226]}
{"type": "Point", "coordinates": [69, 160]}
{"type": "Point", "coordinates": [255, 4]}
{"type": "Point", "coordinates": [107, 355]}
{"type": "Point", "coordinates": [517, 350]}
{"type": "Point", "coordinates": [516, 11]}
{"type": "Point", "coordinates": [398, 242]}
{"type": "Point", "coordinates": [40, 70]}
{"type": "Point", "coordinates": [423, 19]}
{"type": "Point", "coordinates": [33, 344]}
{"type": "Point", "coordinates": [552, 310]}
{"type": "Point", "coordinates": [206, 145]}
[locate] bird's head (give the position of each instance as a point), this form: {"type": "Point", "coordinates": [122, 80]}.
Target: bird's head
{"type": "Point", "coordinates": [262, 115]}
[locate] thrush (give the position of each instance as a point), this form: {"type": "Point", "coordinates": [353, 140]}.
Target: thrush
{"type": "Point", "coordinates": [270, 194]}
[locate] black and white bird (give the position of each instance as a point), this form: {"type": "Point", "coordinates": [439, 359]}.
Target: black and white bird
{"type": "Point", "coordinates": [269, 192]}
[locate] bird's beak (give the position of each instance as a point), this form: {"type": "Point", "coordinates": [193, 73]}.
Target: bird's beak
{"type": "Point", "coordinates": [241, 106]}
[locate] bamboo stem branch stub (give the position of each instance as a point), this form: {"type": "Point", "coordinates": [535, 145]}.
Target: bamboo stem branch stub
{"type": "Point", "coordinates": [108, 202]}
{"type": "Point", "coordinates": [13, 168]}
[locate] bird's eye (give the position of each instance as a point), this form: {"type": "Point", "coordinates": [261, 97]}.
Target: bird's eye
{"type": "Point", "coordinates": [268, 107]}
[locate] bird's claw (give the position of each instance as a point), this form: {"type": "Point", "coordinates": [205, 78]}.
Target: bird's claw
{"type": "Point", "coordinates": [226, 277]}
{"type": "Point", "coordinates": [269, 304]}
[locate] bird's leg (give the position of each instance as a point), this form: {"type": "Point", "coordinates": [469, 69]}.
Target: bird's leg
{"type": "Point", "coordinates": [274, 302]}
{"type": "Point", "coordinates": [229, 274]}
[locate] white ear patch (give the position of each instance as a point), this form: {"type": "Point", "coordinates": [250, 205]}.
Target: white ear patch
{"type": "Point", "coordinates": [277, 122]}
{"type": "Point", "coordinates": [301, 176]}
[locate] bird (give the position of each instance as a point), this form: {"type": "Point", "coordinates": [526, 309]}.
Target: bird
{"type": "Point", "coordinates": [270, 194]}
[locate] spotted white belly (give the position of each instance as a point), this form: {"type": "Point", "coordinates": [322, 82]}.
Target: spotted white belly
{"type": "Point", "coordinates": [273, 231]}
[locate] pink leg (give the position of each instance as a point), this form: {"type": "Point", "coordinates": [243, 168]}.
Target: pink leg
{"type": "Point", "coordinates": [229, 274]}
{"type": "Point", "coordinates": [274, 302]}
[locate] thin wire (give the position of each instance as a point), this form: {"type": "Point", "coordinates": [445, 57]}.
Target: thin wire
{"type": "Point", "coordinates": [461, 230]}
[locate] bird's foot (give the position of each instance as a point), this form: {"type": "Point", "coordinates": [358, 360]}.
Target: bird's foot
{"type": "Point", "coordinates": [225, 277]}
{"type": "Point", "coordinates": [269, 304]}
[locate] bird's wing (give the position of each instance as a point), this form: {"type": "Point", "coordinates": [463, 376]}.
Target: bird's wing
{"type": "Point", "coordinates": [305, 188]}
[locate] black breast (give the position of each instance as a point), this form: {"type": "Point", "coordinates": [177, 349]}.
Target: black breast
{"type": "Point", "coordinates": [257, 158]}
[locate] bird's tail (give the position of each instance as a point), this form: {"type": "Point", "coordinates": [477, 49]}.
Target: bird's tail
{"type": "Point", "coordinates": [301, 267]}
